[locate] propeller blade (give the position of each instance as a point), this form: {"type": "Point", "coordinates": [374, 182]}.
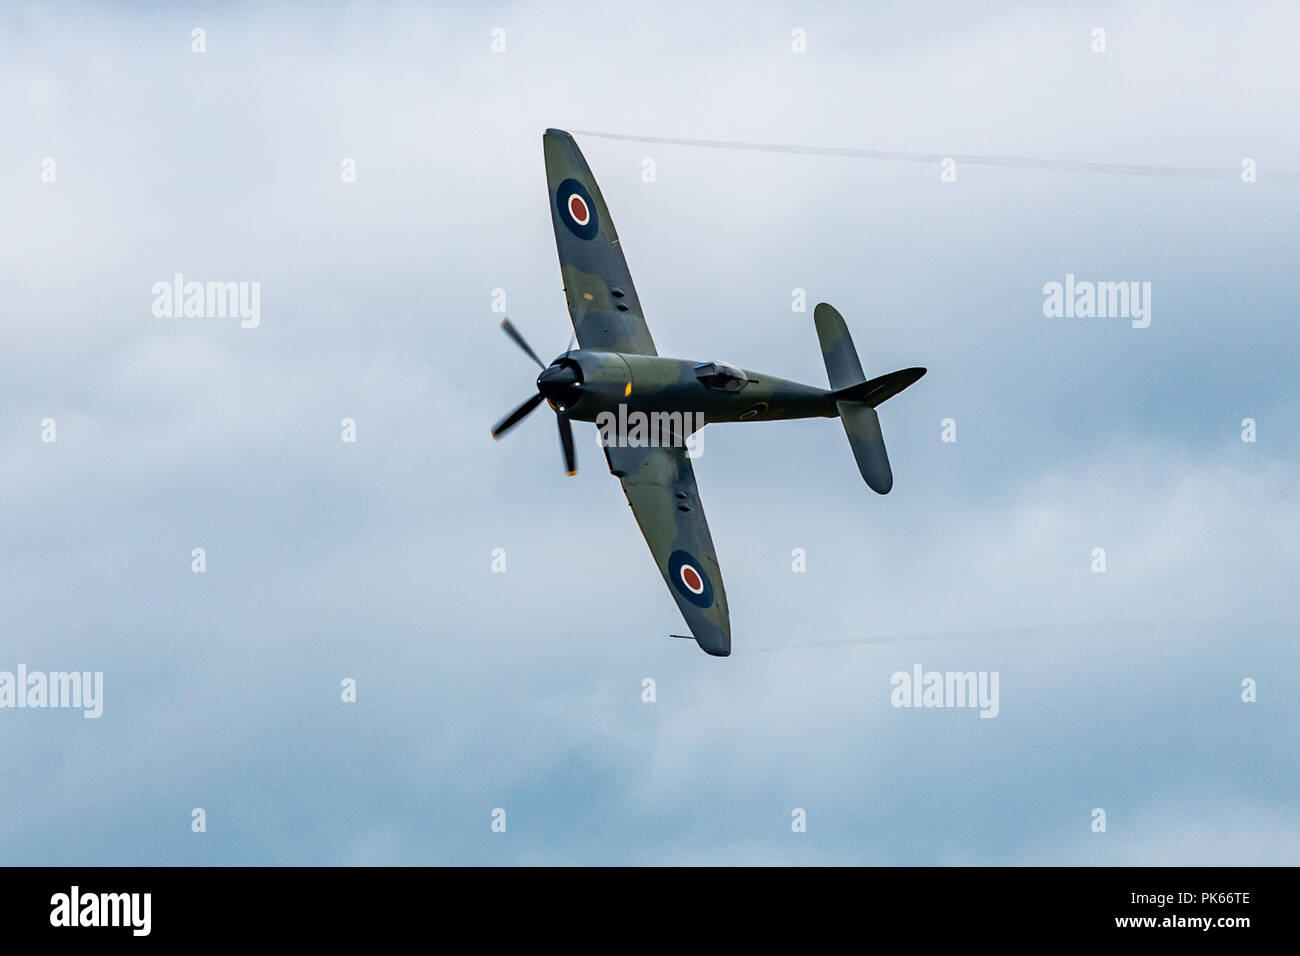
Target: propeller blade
{"type": "Point", "coordinates": [566, 441]}
{"type": "Point", "coordinates": [577, 324]}
{"type": "Point", "coordinates": [517, 416]}
{"type": "Point", "coordinates": [513, 332]}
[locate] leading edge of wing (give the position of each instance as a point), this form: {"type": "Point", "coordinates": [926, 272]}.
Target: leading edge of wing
{"type": "Point", "coordinates": [660, 487]}
{"type": "Point", "coordinates": [602, 300]}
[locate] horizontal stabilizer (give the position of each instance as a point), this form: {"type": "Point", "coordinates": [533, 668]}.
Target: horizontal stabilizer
{"type": "Point", "coordinates": [841, 358]}
{"type": "Point", "coordinates": [862, 425]}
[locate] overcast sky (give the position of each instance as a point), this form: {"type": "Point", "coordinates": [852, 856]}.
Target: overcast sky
{"type": "Point", "coordinates": [522, 690]}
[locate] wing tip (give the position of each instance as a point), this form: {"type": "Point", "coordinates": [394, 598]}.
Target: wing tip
{"type": "Point", "coordinates": [714, 640]}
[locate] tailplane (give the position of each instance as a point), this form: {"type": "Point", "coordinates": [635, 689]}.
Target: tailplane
{"type": "Point", "coordinates": [856, 398]}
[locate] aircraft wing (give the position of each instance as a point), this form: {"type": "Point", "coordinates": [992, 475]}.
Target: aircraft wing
{"type": "Point", "coordinates": [603, 304]}
{"type": "Point", "coordinates": [660, 487]}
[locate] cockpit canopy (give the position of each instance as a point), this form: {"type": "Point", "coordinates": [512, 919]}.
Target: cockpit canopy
{"type": "Point", "coordinates": [721, 375]}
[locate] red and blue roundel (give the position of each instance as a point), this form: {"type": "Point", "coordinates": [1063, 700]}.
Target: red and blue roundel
{"type": "Point", "coordinates": [687, 575]}
{"type": "Point", "coordinates": [577, 211]}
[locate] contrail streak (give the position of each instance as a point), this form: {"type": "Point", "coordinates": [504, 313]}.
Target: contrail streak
{"type": "Point", "coordinates": [1012, 162]}
{"type": "Point", "coordinates": [1099, 628]}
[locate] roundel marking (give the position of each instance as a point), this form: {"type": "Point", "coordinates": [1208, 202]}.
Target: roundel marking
{"type": "Point", "coordinates": [689, 578]}
{"type": "Point", "coordinates": [576, 208]}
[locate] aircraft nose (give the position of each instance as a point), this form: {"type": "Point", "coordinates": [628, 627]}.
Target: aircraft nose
{"type": "Point", "coordinates": [559, 384]}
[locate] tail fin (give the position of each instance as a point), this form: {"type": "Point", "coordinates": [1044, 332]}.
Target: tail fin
{"type": "Point", "coordinates": [876, 391]}
{"type": "Point", "coordinates": [856, 398]}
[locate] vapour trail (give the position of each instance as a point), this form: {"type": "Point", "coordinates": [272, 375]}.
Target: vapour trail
{"type": "Point", "coordinates": [1014, 162]}
{"type": "Point", "coordinates": [1096, 629]}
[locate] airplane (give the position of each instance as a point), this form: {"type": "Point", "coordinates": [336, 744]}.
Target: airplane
{"type": "Point", "coordinates": [616, 363]}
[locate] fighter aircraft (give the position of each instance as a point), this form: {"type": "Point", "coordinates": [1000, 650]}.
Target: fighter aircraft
{"type": "Point", "coordinates": [616, 364]}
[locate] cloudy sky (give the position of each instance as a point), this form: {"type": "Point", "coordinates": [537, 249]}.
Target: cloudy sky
{"type": "Point", "coordinates": [521, 690]}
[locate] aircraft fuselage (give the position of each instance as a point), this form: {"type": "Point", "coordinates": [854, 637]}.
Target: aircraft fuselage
{"type": "Point", "coordinates": [652, 383]}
